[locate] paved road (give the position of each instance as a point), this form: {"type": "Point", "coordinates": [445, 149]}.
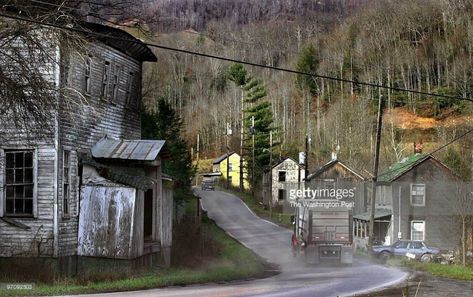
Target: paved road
{"type": "Point", "coordinates": [273, 243]}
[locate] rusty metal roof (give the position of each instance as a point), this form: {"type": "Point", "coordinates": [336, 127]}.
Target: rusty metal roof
{"type": "Point", "coordinates": [141, 150]}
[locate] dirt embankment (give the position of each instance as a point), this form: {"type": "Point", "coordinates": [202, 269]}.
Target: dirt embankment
{"type": "Point", "coordinates": [404, 119]}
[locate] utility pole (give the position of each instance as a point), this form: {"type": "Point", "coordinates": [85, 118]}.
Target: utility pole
{"type": "Point", "coordinates": [270, 174]}
{"type": "Point", "coordinates": [229, 132]}
{"type": "Point", "coordinates": [375, 170]}
{"type": "Point", "coordinates": [197, 154]}
{"type": "Point", "coordinates": [253, 156]}
{"type": "Point", "coordinates": [241, 141]}
{"type": "Point", "coordinates": [306, 157]}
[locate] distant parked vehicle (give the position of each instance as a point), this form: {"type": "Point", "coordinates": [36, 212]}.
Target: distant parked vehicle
{"type": "Point", "coordinates": [413, 249]}
{"type": "Point", "coordinates": [208, 185]}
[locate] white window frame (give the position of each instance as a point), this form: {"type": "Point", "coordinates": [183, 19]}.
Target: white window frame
{"type": "Point", "coordinates": [411, 195]}
{"type": "Point", "coordinates": [3, 181]}
{"type": "Point", "coordinates": [412, 228]}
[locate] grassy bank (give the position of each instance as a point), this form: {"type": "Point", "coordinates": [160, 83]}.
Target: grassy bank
{"type": "Point", "coordinates": [232, 261]}
{"type": "Point", "coordinates": [457, 272]}
{"type": "Point", "coordinates": [449, 271]}
{"type": "Point", "coordinates": [283, 220]}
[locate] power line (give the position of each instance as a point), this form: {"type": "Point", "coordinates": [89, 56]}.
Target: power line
{"type": "Point", "coordinates": [368, 84]}
{"type": "Point", "coordinates": [386, 173]}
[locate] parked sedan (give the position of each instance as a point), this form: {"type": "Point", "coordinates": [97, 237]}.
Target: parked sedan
{"type": "Point", "coordinates": [415, 249]}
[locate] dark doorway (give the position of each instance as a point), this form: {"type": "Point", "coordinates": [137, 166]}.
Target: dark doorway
{"type": "Point", "coordinates": [148, 216]}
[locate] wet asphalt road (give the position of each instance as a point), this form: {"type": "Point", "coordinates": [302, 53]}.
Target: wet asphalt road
{"type": "Point", "coordinates": [273, 243]}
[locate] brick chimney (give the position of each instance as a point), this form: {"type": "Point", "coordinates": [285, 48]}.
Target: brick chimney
{"type": "Point", "coordinates": [418, 146]}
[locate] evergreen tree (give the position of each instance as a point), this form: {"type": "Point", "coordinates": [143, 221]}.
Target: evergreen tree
{"type": "Point", "coordinates": [166, 125]}
{"type": "Point", "coordinates": [259, 108]}
{"type": "Point", "coordinates": [308, 62]}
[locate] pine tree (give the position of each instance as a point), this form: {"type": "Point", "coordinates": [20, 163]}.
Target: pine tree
{"type": "Point", "coordinates": [166, 125]}
{"type": "Point", "coordinates": [307, 62]}
{"type": "Point", "coordinates": [260, 109]}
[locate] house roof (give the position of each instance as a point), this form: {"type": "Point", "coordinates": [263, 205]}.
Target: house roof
{"type": "Point", "coordinates": [398, 169]}
{"type": "Point", "coordinates": [139, 150]}
{"type": "Point", "coordinates": [122, 41]}
{"type": "Point", "coordinates": [379, 213]}
{"type": "Point", "coordinates": [401, 167]}
{"type": "Point", "coordinates": [223, 157]}
{"type": "Point", "coordinates": [284, 159]}
{"type": "Point", "coordinates": [330, 164]}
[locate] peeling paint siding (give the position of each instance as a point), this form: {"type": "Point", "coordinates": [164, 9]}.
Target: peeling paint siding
{"type": "Point", "coordinates": [168, 206]}
{"type": "Point", "coordinates": [37, 241]}
{"type": "Point", "coordinates": [94, 119]}
{"type": "Point", "coordinates": [137, 231]}
{"type": "Point", "coordinates": [105, 221]}
{"type": "Point", "coordinates": [292, 177]}
{"type": "Point", "coordinates": [68, 226]}
{"type": "Point", "coordinates": [99, 117]}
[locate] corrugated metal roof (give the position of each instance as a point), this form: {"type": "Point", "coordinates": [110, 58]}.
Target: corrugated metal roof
{"type": "Point", "coordinates": [141, 150]}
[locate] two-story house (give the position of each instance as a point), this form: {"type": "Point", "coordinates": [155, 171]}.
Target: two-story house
{"type": "Point", "coordinates": [219, 165]}
{"type": "Point", "coordinates": [285, 175]}
{"type": "Point", "coordinates": [91, 187]}
{"type": "Point", "coordinates": [417, 198]}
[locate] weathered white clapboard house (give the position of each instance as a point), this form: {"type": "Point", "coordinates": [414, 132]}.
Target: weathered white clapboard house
{"type": "Point", "coordinates": [287, 174]}
{"type": "Point", "coordinates": [92, 188]}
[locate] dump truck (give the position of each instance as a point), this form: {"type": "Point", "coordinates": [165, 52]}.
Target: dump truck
{"type": "Point", "coordinates": [324, 234]}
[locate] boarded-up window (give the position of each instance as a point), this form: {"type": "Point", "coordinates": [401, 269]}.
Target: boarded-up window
{"type": "Point", "coordinates": [130, 82]}
{"type": "Point", "coordinates": [105, 79]}
{"type": "Point", "coordinates": [417, 230]}
{"type": "Point", "coordinates": [19, 183]}
{"type": "Point", "coordinates": [418, 194]}
{"type": "Point", "coordinates": [116, 80]}
{"type": "Point", "coordinates": [66, 183]}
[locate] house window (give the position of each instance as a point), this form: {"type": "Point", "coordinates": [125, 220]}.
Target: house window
{"type": "Point", "coordinates": [116, 79]}
{"type": "Point", "coordinates": [88, 70]}
{"type": "Point", "coordinates": [418, 194]}
{"type": "Point", "coordinates": [105, 79]}
{"type": "Point", "coordinates": [417, 230]}
{"type": "Point", "coordinates": [19, 183]}
{"type": "Point", "coordinates": [282, 176]}
{"type": "Point", "coordinates": [230, 167]}
{"type": "Point", "coordinates": [66, 166]}
{"type": "Point", "coordinates": [281, 194]}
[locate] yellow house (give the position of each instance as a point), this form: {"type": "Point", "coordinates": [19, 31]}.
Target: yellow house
{"type": "Point", "coordinates": [220, 165]}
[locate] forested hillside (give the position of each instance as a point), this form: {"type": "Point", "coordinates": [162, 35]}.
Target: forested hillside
{"type": "Point", "coordinates": [422, 45]}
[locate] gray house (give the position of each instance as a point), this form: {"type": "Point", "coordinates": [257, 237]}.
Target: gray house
{"type": "Point", "coordinates": [91, 187]}
{"type": "Point", "coordinates": [418, 198]}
